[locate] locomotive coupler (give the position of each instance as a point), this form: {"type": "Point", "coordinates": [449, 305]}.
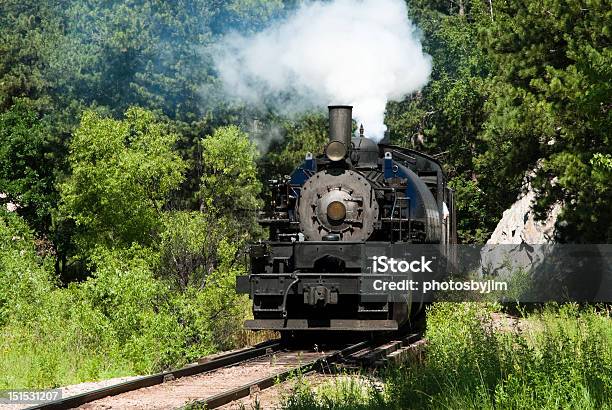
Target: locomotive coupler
{"type": "Point", "coordinates": [320, 295]}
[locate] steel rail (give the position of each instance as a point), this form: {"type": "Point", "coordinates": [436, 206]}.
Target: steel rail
{"type": "Point", "coordinates": [266, 382]}
{"type": "Point", "coordinates": [221, 361]}
{"type": "Point", "coordinates": [373, 348]}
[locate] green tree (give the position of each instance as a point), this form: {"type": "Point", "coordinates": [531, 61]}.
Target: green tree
{"type": "Point", "coordinates": [229, 198]}
{"type": "Point", "coordinates": [229, 185]}
{"type": "Point", "coordinates": [123, 174]}
{"type": "Point", "coordinates": [31, 132]}
{"type": "Point", "coordinates": [552, 100]}
{"type": "Point", "coordinates": [246, 15]}
{"type": "Point", "coordinates": [28, 160]}
{"type": "Point", "coordinates": [29, 33]}
{"type": "Point", "coordinates": [119, 53]}
{"type": "Point", "coordinates": [155, 55]}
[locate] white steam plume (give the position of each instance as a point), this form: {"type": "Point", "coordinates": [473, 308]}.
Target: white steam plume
{"type": "Point", "coordinates": [357, 52]}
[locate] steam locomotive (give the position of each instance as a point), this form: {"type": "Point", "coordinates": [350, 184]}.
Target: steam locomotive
{"type": "Point", "coordinates": [327, 222]}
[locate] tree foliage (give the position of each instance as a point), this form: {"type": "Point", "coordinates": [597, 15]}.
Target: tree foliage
{"type": "Point", "coordinates": [29, 33]}
{"type": "Point", "coordinates": [117, 54]}
{"type": "Point", "coordinates": [28, 163]}
{"type": "Point", "coordinates": [555, 67]}
{"type": "Point", "coordinates": [22, 274]}
{"type": "Point", "coordinates": [229, 183]}
{"type": "Point", "coordinates": [123, 174]}
{"type": "Point", "coordinates": [515, 87]}
{"type": "Point", "coordinates": [190, 246]}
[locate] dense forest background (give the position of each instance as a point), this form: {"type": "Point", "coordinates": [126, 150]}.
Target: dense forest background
{"type": "Point", "coordinates": [133, 182]}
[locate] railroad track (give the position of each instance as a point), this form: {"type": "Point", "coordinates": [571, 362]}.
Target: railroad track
{"type": "Point", "coordinates": [235, 375]}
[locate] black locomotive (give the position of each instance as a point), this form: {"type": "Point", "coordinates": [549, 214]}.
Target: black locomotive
{"type": "Point", "coordinates": [330, 218]}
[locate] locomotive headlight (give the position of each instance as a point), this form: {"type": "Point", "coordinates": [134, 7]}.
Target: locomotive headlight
{"type": "Point", "coordinates": [335, 151]}
{"type": "Point", "coordinates": [336, 211]}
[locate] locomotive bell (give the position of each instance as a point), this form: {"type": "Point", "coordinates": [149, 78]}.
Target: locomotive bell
{"type": "Point", "coordinates": [340, 125]}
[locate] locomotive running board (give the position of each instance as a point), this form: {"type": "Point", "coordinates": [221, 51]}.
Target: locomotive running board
{"type": "Point", "coordinates": [321, 324]}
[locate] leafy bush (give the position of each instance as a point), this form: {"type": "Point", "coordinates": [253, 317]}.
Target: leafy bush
{"type": "Point", "coordinates": [123, 320]}
{"type": "Point", "coordinates": [23, 278]}
{"type": "Point", "coordinates": [190, 245]}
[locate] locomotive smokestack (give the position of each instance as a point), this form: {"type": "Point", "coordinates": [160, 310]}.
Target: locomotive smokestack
{"type": "Point", "coordinates": [340, 124]}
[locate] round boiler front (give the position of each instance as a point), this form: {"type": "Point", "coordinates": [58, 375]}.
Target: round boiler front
{"type": "Point", "coordinates": [337, 202]}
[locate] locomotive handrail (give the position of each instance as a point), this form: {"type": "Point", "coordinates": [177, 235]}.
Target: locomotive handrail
{"type": "Point", "coordinates": [284, 306]}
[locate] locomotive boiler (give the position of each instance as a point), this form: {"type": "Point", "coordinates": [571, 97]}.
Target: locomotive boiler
{"type": "Point", "coordinates": [330, 218]}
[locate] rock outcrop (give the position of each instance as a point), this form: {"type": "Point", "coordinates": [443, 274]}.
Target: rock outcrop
{"type": "Point", "coordinates": [523, 251]}
{"type": "Point", "coordinates": [519, 225]}
{"type": "Point", "coordinates": [511, 246]}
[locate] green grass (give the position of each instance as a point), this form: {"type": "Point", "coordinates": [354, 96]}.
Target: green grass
{"type": "Point", "coordinates": [561, 359]}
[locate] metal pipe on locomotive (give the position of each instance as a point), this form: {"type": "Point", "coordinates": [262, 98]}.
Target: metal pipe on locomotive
{"type": "Point", "coordinates": [329, 218]}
